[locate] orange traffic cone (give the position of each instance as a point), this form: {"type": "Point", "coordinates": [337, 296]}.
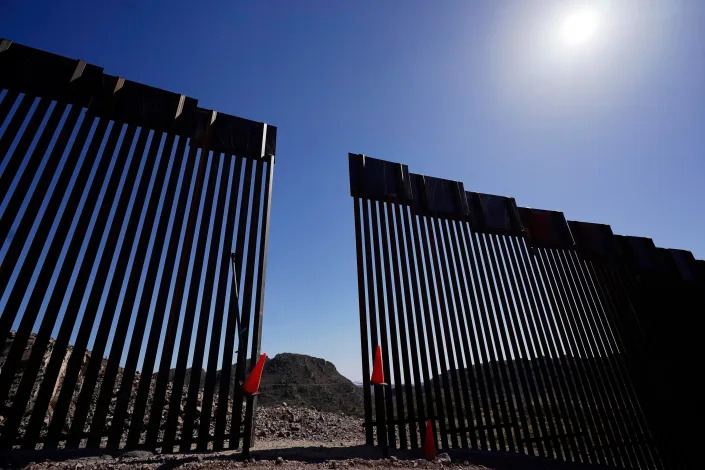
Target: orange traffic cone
{"type": "Point", "coordinates": [377, 371]}
{"type": "Point", "coordinates": [251, 383]}
{"type": "Point", "coordinates": [429, 443]}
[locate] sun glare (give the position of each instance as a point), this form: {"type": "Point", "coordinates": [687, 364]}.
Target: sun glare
{"type": "Point", "coordinates": [579, 26]}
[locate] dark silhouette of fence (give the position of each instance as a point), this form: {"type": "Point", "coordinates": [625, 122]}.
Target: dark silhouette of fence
{"type": "Point", "coordinates": [122, 204]}
{"type": "Point", "coordinates": [515, 330]}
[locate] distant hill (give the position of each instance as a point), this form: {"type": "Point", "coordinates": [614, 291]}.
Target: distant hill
{"type": "Point", "coordinates": [298, 379]}
{"type": "Point", "coordinates": [294, 379]}
{"type": "Point", "coordinates": [304, 380]}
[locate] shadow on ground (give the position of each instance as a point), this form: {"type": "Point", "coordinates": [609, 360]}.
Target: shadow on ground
{"type": "Point", "coordinates": [493, 460]}
{"type": "Point", "coordinates": [310, 454]}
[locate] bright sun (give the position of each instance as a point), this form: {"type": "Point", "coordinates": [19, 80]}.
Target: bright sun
{"type": "Point", "coordinates": [579, 26]}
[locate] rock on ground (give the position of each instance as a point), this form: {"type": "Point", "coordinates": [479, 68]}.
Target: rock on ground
{"type": "Point", "coordinates": [293, 438]}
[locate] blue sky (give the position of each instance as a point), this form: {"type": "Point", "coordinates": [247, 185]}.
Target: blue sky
{"type": "Point", "coordinates": [481, 92]}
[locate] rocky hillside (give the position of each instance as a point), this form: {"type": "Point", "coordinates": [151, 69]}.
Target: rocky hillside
{"type": "Point", "coordinates": [298, 379]}
{"type": "Point", "coordinates": [308, 381]}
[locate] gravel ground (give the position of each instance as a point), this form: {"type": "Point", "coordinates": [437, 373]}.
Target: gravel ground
{"type": "Point", "coordinates": [300, 457]}
{"type": "Point", "coordinates": [288, 438]}
{"type": "Point", "coordinates": [292, 423]}
{"type": "Point", "coordinates": [213, 461]}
